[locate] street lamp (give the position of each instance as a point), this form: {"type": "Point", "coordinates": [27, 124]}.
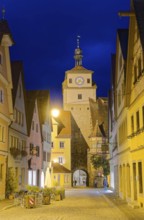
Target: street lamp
{"type": "Point", "coordinates": [55, 112]}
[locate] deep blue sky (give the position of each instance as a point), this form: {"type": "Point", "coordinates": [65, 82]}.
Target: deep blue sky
{"type": "Point", "coordinates": [45, 34]}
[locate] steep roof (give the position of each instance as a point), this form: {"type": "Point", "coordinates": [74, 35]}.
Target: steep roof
{"type": "Point", "coordinates": [42, 97]}
{"type": "Point", "coordinates": [5, 30]}
{"type": "Point", "coordinates": [17, 70]}
{"type": "Point", "coordinates": [58, 168]}
{"type": "Point", "coordinates": [79, 69]}
{"type": "Point", "coordinates": [123, 38]}
{"type": "Point", "coordinates": [64, 121]}
{"type": "Point", "coordinates": [99, 116]}
{"type": "Point", "coordinates": [139, 11]}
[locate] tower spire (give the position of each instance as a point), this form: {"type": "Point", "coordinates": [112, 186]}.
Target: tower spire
{"type": "Point", "coordinates": [78, 41]}
{"type": "Point", "coordinates": [3, 13]}
{"type": "Point", "coordinates": [78, 53]}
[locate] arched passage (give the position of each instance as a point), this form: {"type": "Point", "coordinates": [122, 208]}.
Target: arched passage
{"type": "Point", "coordinates": [80, 178]}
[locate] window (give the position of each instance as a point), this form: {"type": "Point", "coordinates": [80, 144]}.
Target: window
{"type": "Point", "coordinates": [1, 171]}
{"type": "Point", "coordinates": [70, 80]}
{"type": "Point", "coordinates": [37, 151]}
{"type": "Point", "coordinates": [79, 96]}
{"type": "Point", "coordinates": [88, 80]}
{"type": "Point", "coordinates": [48, 156]}
{"type": "Point", "coordinates": [44, 156]}
{"type": "Point", "coordinates": [140, 177]}
{"type": "Point", "coordinates": [135, 74]}
{"type": "Point", "coordinates": [61, 144]}
{"type": "Point", "coordinates": [137, 121]}
{"type": "Point", "coordinates": [31, 148]}
{"type": "Point", "coordinates": [52, 145]}
{"type": "Point", "coordinates": [132, 124]}
{"type": "Point", "coordinates": [23, 145]}
{"type": "Point", "coordinates": [139, 67]}
{"type": "Point", "coordinates": [143, 115]}
{"type": "Point", "coordinates": [1, 96]}
{"type": "Point", "coordinates": [60, 160]}
{"type": "Point", "coordinates": [2, 133]}
{"type": "Point", "coordinates": [32, 125]}
{"type": "Point", "coordinates": [36, 127]}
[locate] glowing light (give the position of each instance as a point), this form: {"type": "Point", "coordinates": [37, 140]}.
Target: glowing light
{"type": "Point", "coordinates": [55, 113]}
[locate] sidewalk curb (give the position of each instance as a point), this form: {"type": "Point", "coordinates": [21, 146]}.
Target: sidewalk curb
{"type": "Point", "coordinates": [8, 207]}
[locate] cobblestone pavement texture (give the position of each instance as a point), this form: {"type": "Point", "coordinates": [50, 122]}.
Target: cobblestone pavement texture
{"type": "Point", "coordinates": [79, 204]}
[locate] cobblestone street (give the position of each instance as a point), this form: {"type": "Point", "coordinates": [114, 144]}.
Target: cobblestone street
{"type": "Point", "coordinates": [79, 204]}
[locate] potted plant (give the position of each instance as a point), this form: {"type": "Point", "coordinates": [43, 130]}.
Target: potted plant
{"type": "Point", "coordinates": [14, 151]}
{"type": "Point", "coordinates": [57, 194]}
{"type": "Point", "coordinates": [23, 153]}
{"type": "Point", "coordinates": [62, 193]}
{"type": "Point", "coordinates": [30, 198]}
{"type": "Point", "coordinates": [46, 191]}
{"type": "Point", "coordinates": [11, 184]}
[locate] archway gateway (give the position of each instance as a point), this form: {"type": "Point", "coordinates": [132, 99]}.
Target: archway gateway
{"type": "Point", "coordinates": [80, 178]}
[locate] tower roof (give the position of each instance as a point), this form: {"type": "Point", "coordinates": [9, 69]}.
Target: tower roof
{"type": "Point", "coordinates": [79, 69]}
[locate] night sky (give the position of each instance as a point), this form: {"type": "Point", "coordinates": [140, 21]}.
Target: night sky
{"type": "Point", "coordinates": [45, 33]}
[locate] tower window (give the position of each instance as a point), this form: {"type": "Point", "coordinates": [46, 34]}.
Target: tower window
{"type": "Point", "coordinates": [88, 80]}
{"type": "Point", "coordinates": [79, 96]}
{"type": "Point", "coordinates": [70, 80]}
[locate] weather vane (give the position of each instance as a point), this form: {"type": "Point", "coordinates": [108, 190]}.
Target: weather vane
{"type": "Point", "coordinates": [78, 41]}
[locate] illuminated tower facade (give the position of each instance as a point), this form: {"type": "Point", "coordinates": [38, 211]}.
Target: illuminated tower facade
{"type": "Point", "coordinates": [78, 88]}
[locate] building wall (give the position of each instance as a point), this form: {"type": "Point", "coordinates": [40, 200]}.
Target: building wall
{"type": "Point", "coordinates": [6, 111]}
{"type": "Point", "coordinates": [57, 152]}
{"type": "Point", "coordinates": [37, 154]}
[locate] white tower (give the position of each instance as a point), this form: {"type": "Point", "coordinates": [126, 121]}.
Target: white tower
{"type": "Point", "coordinates": [78, 87]}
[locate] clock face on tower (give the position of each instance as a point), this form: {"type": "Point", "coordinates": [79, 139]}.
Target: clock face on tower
{"type": "Point", "coordinates": [79, 80]}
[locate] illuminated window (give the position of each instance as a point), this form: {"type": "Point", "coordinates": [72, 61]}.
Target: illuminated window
{"type": "Point", "coordinates": [60, 160]}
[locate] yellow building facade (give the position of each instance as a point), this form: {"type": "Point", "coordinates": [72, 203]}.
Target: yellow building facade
{"type": "Point", "coordinates": [6, 109]}
{"type": "Point", "coordinates": [61, 150]}
{"type": "Point", "coordinates": [127, 111]}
